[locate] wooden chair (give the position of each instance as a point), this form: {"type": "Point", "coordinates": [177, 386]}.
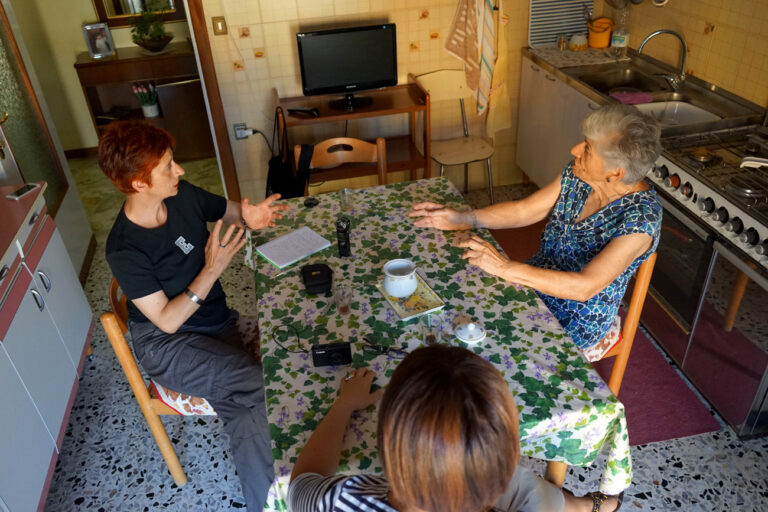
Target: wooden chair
{"type": "Point", "coordinates": [330, 154]}
{"type": "Point", "coordinates": [451, 84]}
{"type": "Point", "coordinates": [115, 325]}
{"type": "Point", "coordinates": [555, 472]}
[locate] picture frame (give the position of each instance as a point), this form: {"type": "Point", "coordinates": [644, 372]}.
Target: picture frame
{"type": "Point", "coordinates": [99, 40]}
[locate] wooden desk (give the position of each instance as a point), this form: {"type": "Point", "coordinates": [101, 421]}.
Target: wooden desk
{"type": "Point", "coordinates": [402, 153]}
{"type": "Point", "coordinates": [107, 85]}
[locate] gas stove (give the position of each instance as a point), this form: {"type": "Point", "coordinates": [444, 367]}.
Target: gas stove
{"type": "Point", "coordinates": [722, 178]}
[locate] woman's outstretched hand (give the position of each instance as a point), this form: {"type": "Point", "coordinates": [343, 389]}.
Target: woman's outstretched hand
{"type": "Point", "coordinates": [220, 250]}
{"type": "Point", "coordinates": [263, 214]}
{"type": "Point", "coordinates": [483, 254]}
{"type": "Point", "coordinates": [434, 215]}
{"type": "Point", "coordinates": [355, 390]}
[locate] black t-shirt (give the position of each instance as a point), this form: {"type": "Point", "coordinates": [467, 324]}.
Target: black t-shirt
{"type": "Point", "coordinates": [169, 257]}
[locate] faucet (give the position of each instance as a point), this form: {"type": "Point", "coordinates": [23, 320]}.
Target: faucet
{"type": "Point", "coordinates": [677, 80]}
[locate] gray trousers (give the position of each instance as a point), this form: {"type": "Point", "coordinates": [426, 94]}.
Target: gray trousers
{"type": "Point", "coordinates": [212, 363]}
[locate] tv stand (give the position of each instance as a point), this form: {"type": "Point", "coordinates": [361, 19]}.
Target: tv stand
{"type": "Point", "coordinates": [350, 103]}
{"type": "Point", "coordinates": [402, 152]}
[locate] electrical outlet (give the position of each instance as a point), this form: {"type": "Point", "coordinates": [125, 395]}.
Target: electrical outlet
{"type": "Point", "coordinates": [219, 25]}
{"type": "Point", "coordinates": [240, 131]}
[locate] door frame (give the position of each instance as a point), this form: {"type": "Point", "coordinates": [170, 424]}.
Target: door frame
{"type": "Point", "coordinates": [199, 32]}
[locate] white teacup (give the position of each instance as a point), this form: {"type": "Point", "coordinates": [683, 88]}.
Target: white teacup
{"type": "Point", "coordinates": [400, 278]}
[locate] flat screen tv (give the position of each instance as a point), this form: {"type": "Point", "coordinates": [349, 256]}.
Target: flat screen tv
{"type": "Point", "coordinates": [344, 61]}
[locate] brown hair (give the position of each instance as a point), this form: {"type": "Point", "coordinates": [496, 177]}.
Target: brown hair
{"type": "Point", "coordinates": [129, 150]}
{"type": "Point", "coordinates": [448, 431]}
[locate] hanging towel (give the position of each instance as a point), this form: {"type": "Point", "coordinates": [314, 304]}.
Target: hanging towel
{"type": "Point", "coordinates": [462, 38]}
{"type": "Point", "coordinates": [487, 53]}
{"type": "Point", "coordinates": [500, 104]}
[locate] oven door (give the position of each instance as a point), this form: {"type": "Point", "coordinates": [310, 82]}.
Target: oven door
{"type": "Point", "coordinates": [727, 359]}
{"type": "Point", "coordinates": [684, 254]}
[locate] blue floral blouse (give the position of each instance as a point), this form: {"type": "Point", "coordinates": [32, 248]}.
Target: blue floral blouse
{"type": "Point", "coordinates": [568, 245]}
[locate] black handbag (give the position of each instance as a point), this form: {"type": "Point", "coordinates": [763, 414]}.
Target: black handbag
{"type": "Point", "coordinates": [281, 179]}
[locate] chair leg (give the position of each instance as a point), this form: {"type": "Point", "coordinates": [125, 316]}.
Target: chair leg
{"type": "Point", "coordinates": [739, 287]}
{"type": "Point", "coordinates": [166, 447]}
{"type": "Point", "coordinates": [466, 178]}
{"type": "Point", "coordinates": [490, 178]}
{"type": "Point", "coordinates": [442, 170]}
{"type": "Point", "coordinates": [555, 473]}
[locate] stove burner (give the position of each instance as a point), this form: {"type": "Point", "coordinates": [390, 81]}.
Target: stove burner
{"type": "Point", "coordinates": [742, 187]}
{"type": "Point", "coordinates": [702, 155]}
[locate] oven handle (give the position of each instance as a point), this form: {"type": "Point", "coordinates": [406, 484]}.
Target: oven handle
{"type": "Point", "coordinates": [684, 218]}
{"type": "Point", "coordinates": [741, 265]}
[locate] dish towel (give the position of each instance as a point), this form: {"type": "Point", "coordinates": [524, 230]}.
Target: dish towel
{"type": "Point", "coordinates": [461, 41]}
{"type": "Point", "coordinates": [500, 104]}
{"type": "Point", "coordinates": [487, 54]}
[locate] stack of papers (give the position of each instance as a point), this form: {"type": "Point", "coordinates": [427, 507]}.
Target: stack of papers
{"type": "Point", "coordinates": [292, 247]}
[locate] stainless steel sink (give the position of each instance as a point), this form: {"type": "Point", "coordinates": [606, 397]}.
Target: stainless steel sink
{"type": "Point", "coordinates": [624, 79]}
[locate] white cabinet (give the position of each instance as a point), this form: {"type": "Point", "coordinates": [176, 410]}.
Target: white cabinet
{"type": "Point", "coordinates": [549, 122]}
{"type": "Point", "coordinates": [45, 323]}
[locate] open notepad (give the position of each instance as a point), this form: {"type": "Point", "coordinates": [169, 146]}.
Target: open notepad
{"type": "Point", "coordinates": [290, 248]}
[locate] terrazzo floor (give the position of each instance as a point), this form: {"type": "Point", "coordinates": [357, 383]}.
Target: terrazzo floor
{"type": "Point", "coordinates": [109, 461]}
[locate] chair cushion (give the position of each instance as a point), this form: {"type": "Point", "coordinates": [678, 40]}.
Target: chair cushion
{"type": "Point", "coordinates": [460, 150]}
{"type": "Point", "coordinates": [188, 405]}
{"type": "Point", "coordinates": [597, 352]}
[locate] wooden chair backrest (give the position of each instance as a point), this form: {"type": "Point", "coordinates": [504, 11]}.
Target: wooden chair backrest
{"type": "Point", "coordinates": [119, 305]}
{"type": "Point", "coordinates": [341, 150]}
{"type": "Point", "coordinates": [636, 301]}
{"type": "Point", "coordinates": [445, 84]}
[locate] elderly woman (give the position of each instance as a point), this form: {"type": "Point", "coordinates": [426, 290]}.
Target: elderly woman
{"type": "Point", "coordinates": [168, 266]}
{"type": "Point", "coordinates": [447, 439]}
{"type": "Point", "coordinates": [604, 221]}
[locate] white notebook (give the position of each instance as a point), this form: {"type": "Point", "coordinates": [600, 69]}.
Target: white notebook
{"type": "Point", "coordinates": [290, 248]}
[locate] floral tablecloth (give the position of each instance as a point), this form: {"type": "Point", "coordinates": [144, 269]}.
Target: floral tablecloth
{"type": "Point", "coordinates": [567, 413]}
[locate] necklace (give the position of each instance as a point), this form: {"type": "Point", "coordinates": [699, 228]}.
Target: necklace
{"type": "Point", "coordinates": [621, 194]}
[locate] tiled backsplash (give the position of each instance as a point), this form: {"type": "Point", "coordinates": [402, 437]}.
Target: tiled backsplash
{"type": "Point", "coordinates": [727, 40]}
{"type": "Point", "coordinates": [258, 58]}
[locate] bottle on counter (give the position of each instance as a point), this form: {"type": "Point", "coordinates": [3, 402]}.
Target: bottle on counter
{"type": "Point", "coordinates": [620, 36]}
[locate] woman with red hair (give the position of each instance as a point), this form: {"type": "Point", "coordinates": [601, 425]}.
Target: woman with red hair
{"type": "Point", "coordinates": [168, 266]}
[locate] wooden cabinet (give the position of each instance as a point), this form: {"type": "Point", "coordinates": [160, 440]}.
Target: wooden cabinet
{"type": "Point", "coordinates": [45, 325]}
{"type": "Point", "coordinates": [402, 151]}
{"type": "Point", "coordinates": [107, 86]}
{"type": "Point", "coordinates": [549, 122]}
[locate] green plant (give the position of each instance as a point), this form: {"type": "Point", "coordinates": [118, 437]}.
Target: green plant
{"type": "Point", "coordinates": [145, 92]}
{"type": "Point", "coordinates": [149, 24]}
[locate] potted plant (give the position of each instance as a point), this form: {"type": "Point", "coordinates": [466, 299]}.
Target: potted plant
{"type": "Point", "coordinates": [147, 29]}
{"type": "Point", "coordinates": [147, 96]}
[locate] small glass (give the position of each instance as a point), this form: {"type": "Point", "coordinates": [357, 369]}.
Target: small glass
{"type": "Point", "coordinates": [342, 296]}
{"type": "Point", "coordinates": [432, 328]}
{"type": "Point", "coordinates": [345, 199]}
{"type": "Point", "coordinates": [562, 42]}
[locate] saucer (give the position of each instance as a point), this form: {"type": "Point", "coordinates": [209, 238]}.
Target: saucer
{"type": "Point", "coordinates": [470, 333]}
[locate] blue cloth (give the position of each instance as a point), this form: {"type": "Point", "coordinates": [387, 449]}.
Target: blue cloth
{"type": "Point", "coordinates": [569, 245]}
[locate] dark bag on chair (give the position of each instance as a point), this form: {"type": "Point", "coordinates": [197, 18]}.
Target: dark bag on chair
{"type": "Point", "coordinates": [280, 178]}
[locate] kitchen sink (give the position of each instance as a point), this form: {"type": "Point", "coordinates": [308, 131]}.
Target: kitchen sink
{"type": "Point", "coordinates": [622, 80]}
{"type": "Point", "coordinates": [676, 113]}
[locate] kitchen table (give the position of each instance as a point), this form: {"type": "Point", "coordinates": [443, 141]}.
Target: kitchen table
{"type": "Point", "coordinates": [567, 413]}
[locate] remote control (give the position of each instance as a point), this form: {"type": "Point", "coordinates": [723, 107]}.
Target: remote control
{"type": "Point", "coordinates": [304, 111]}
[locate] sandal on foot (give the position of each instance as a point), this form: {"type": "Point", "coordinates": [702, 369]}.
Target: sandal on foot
{"type": "Point", "coordinates": [598, 498]}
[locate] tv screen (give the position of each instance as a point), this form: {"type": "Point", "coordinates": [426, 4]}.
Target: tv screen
{"type": "Point", "coordinates": [347, 60]}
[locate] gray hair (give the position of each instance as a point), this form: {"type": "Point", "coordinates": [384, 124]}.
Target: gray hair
{"type": "Point", "coordinates": [624, 137]}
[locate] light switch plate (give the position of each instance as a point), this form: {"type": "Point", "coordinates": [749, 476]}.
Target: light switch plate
{"type": "Point", "coordinates": [219, 25]}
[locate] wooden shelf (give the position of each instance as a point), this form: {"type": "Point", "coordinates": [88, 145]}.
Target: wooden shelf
{"type": "Point", "coordinates": [402, 153]}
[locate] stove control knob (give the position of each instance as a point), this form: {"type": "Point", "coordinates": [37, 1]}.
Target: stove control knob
{"type": "Point", "coordinates": [749, 237]}
{"type": "Point", "coordinates": [672, 182]}
{"type": "Point", "coordinates": [720, 215]}
{"type": "Point", "coordinates": [687, 190]}
{"type": "Point", "coordinates": [734, 226]}
{"type": "Point", "coordinates": [660, 171]}
{"type": "Point", "coordinates": [762, 249]}
{"type": "Point", "coordinates": [707, 205]}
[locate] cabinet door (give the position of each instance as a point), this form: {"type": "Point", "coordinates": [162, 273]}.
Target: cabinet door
{"type": "Point", "coordinates": [26, 448]}
{"type": "Point", "coordinates": [536, 116]}
{"type": "Point", "coordinates": [56, 279]}
{"type": "Point", "coordinates": [38, 354]}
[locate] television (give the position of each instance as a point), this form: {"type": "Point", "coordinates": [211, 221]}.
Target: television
{"type": "Point", "coordinates": [347, 60]}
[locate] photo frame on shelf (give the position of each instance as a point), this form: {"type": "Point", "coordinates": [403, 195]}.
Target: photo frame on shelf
{"type": "Point", "coordinates": [99, 40]}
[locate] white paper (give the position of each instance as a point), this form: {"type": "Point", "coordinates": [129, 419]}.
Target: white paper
{"type": "Point", "coordinates": [290, 248]}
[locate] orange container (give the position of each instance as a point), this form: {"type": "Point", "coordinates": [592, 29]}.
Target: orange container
{"type": "Point", "coordinates": [600, 32]}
